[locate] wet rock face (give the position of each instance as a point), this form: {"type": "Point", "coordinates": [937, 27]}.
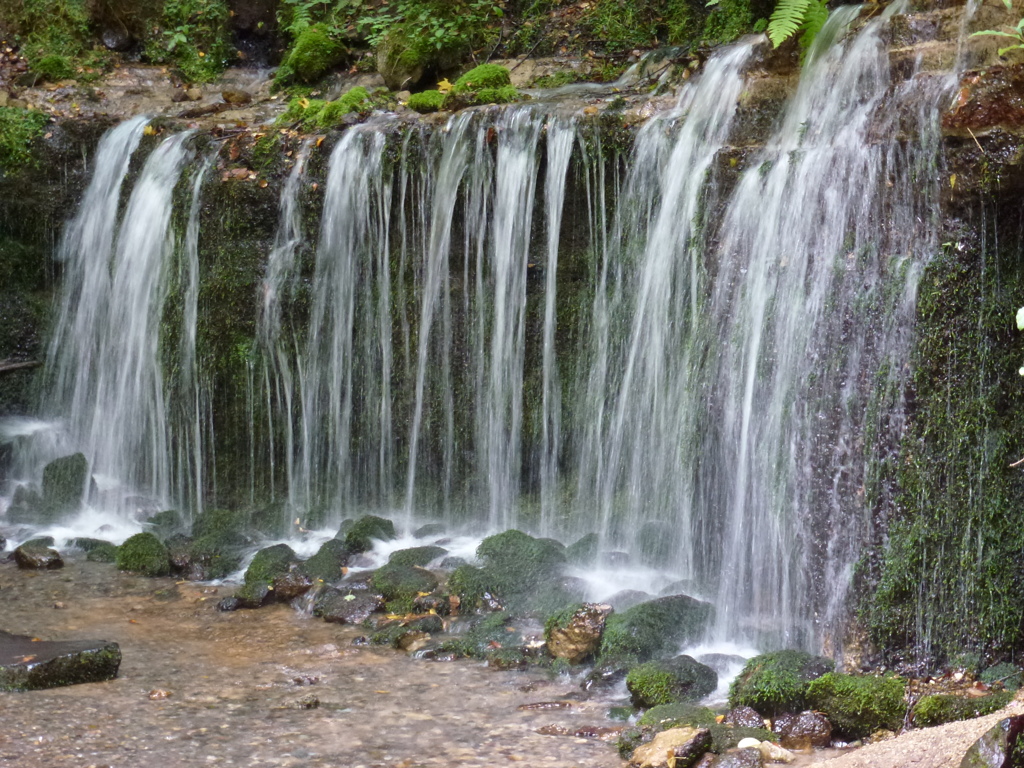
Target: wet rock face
{"type": "Point", "coordinates": [338, 607]}
{"type": "Point", "coordinates": [684, 745]}
{"type": "Point", "coordinates": [744, 717]}
{"type": "Point", "coordinates": [27, 665]}
{"type": "Point", "coordinates": [1002, 746]}
{"type": "Point", "coordinates": [580, 637]}
{"type": "Point", "coordinates": [64, 484]}
{"type": "Point", "coordinates": [803, 731]}
{"type": "Point", "coordinates": [37, 554]}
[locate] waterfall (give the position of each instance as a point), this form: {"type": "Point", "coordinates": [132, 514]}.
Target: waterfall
{"type": "Point", "coordinates": [108, 381]}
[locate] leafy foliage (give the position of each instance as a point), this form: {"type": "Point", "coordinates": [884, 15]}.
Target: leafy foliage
{"type": "Point", "coordinates": [1018, 35]}
{"type": "Point", "coordinates": [193, 36]}
{"type": "Point", "coordinates": [18, 129]}
{"type": "Point", "coordinates": [792, 16]}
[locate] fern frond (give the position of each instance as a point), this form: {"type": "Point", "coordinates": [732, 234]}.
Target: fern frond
{"type": "Point", "coordinates": [814, 20]}
{"type": "Point", "coordinates": [786, 19]}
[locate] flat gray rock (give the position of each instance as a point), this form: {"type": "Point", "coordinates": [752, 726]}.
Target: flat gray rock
{"type": "Point", "coordinates": [28, 665]}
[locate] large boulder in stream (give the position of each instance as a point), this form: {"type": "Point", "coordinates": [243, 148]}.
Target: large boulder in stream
{"type": "Point", "coordinates": [575, 634]}
{"type": "Point", "coordinates": [674, 680]}
{"type": "Point", "coordinates": [403, 582]}
{"type": "Point", "coordinates": [37, 554]}
{"type": "Point", "coordinates": [329, 562]}
{"type": "Point", "coordinates": [144, 553]}
{"type": "Point", "coordinates": [360, 534]}
{"type": "Point", "coordinates": [653, 629]}
{"type": "Point", "coordinates": [346, 606]}
{"type": "Point", "coordinates": [269, 566]}
{"type": "Point", "coordinates": [28, 664]}
{"type": "Point", "coordinates": [777, 682]}
{"type": "Point", "coordinates": [64, 485]}
{"type": "Point", "coordinates": [856, 705]}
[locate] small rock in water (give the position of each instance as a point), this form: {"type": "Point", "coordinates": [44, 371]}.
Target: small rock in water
{"type": "Point", "coordinates": [193, 94]}
{"type": "Point", "coordinates": [744, 717]}
{"type": "Point", "coordinates": [748, 743]}
{"type": "Point", "coordinates": [159, 693]}
{"type": "Point", "coordinates": [684, 745]}
{"type": "Point", "coordinates": [773, 753]}
{"type": "Point", "coordinates": [28, 664]}
{"type": "Point", "coordinates": [803, 731]}
{"type": "Point", "coordinates": [59, 604]}
{"type": "Point", "coordinates": [236, 97]}
{"type": "Point", "coordinates": [546, 705]}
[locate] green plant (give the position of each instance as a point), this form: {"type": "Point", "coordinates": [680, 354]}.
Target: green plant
{"type": "Point", "coordinates": [193, 36]}
{"type": "Point", "coordinates": [792, 16]}
{"type": "Point", "coordinates": [1018, 35]}
{"type": "Point", "coordinates": [437, 24]}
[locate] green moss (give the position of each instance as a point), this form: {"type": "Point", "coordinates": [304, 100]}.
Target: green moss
{"type": "Point", "coordinates": [421, 556]}
{"type": "Point", "coordinates": [315, 53]}
{"type": "Point", "coordinates": [144, 553]}
{"type": "Point", "coordinates": [675, 715]}
{"type": "Point", "coordinates": [1009, 675]}
{"type": "Point", "coordinates": [19, 128]}
{"type": "Point", "coordinates": [506, 94]}
{"type": "Point", "coordinates": [482, 76]}
{"type": "Point", "coordinates": [330, 113]}
{"type": "Point", "coordinates": [584, 550]}
{"type": "Point", "coordinates": [269, 563]}
{"type": "Point", "coordinates": [426, 101]}
{"type": "Point", "coordinates": [655, 628]}
{"type": "Point", "coordinates": [54, 68]}
{"type": "Point", "coordinates": [328, 561]}
{"type": "Point", "coordinates": [165, 524]}
{"type": "Point", "coordinates": [673, 680]}
{"type": "Point", "coordinates": [221, 527]}
{"type": "Point", "coordinates": [777, 682]}
{"type": "Point", "coordinates": [859, 706]}
{"type": "Point", "coordinates": [396, 582]}
{"type": "Point", "coordinates": [362, 533]}
{"type": "Point", "coordinates": [104, 552]}
{"type": "Point", "coordinates": [946, 708]}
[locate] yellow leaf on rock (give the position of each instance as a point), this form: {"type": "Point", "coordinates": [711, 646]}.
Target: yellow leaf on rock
{"type": "Point", "coordinates": [149, 130]}
{"type": "Point", "coordinates": [444, 86]}
{"type": "Point", "coordinates": [952, 181]}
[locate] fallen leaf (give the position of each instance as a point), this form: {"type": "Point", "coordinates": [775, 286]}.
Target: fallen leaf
{"type": "Point", "coordinates": [444, 86]}
{"type": "Point", "coordinates": [149, 130]}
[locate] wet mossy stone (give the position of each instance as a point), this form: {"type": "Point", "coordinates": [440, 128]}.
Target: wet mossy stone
{"type": "Point", "coordinates": [426, 102]}
{"type": "Point", "coordinates": [346, 607]}
{"type": "Point", "coordinates": [36, 554]}
{"type": "Point", "coordinates": [946, 708]}
{"type": "Point", "coordinates": [165, 524]}
{"type": "Point", "coordinates": [394, 633]}
{"type": "Point", "coordinates": [584, 550]}
{"type": "Point", "coordinates": [421, 556]}
{"type": "Point", "coordinates": [483, 76]}
{"type": "Point", "coordinates": [314, 54]}
{"type": "Point", "coordinates": [221, 527]}
{"type": "Point", "coordinates": [105, 552]}
{"type": "Point", "coordinates": [29, 665]}
{"type": "Point", "coordinates": [361, 534]}
{"type": "Point", "coordinates": [144, 553]}
{"type": "Point", "coordinates": [653, 629]}
{"type": "Point", "coordinates": [430, 529]}
{"type": "Point", "coordinates": [400, 582]}
{"type": "Point", "coordinates": [777, 682]}
{"type": "Point", "coordinates": [26, 506]}
{"type": "Point", "coordinates": [515, 564]}
{"type": "Point", "coordinates": [682, 678]}
{"type": "Point", "coordinates": [858, 706]}
{"type": "Point", "coordinates": [202, 559]}
{"type": "Point", "coordinates": [64, 484]}
{"type": "Point", "coordinates": [664, 716]}
{"type": "Point", "coordinates": [328, 562]}
{"type": "Point", "coordinates": [86, 544]}
{"type": "Point", "coordinates": [270, 563]}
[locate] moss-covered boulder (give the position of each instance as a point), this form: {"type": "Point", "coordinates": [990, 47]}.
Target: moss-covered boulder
{"type": "Point", "coordinates": [584, 550]}
{"type": "Point", "coordinates": [403, 582]}
{"type": "Point", "coordinates": [946, 708]}
{"type": "Point", "coordinates": [407, 635]}
{"type": "Point", "coordinates": [484, 84]}
{"type": "Point", "coordinates": [425, 102]}
{"type": "Point", "coordinates": [269, 564]}
{"type": "Point", "coordinates": [652, 629]}
{"type": "Point", "coordinates": [401, 61]}
{"type": "Point", "coordinates": [329, 561]}
{"type": "Point", "coordinates": [483, 76]}
{"type": "Point", "coordinates": [314, 54]}
{"type": "Point", "coordinates": [858, 706]}
{"type": "Point", "coordinates": [165, 524]}
{"type": "Point", "coordinates": [346, 606]}
{"type": "Point", "coordinates": [664, 682]}
{"type": "Point", "coordinates": [221, 526]}
{"type": "Point", "coordinates": [144, 553]}
{"type": "Point", "coordinates": [361, 533]}
{"type": "Point", "coordinates": [37, 554]}
{"type": "Point", "coordinates": [64, 485]}
{"type": "Point", "coordinates": [421, 556]}
{"type": "Point", "coordinates": [518, 570]}
{"type": "Point", "coordinates": [664, 716]}
{"type": "Point", "coordinates": [104, 553]}
{"type": "Point", "coordinates": [777, 682]}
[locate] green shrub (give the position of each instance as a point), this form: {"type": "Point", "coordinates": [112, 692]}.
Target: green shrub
{"type": "Point", "coordinates": [777, 682]}
{"type": "Point", "coordinates": [54, 68]}
{"type": "Point", "coordinates": [144, 553]}
{"type": "Point", "coordinates": [946, 708]}
{"type": "Point", "coordinates": [194, 36]}
{"type": "Point", "coordinates": [426, 101]}
{"type": "Point", "coordinates": [859, 706]}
